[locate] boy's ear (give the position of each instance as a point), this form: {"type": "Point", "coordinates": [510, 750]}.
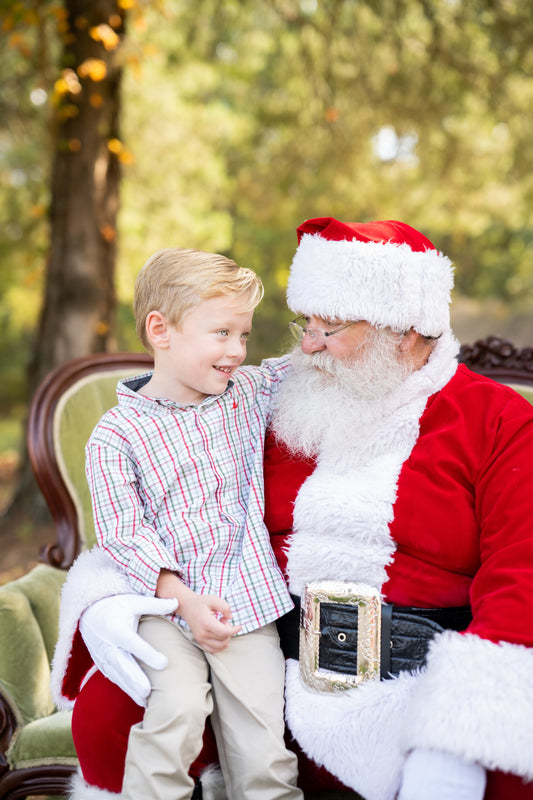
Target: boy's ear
{"type": "Point", "coordinates": [157, 330]}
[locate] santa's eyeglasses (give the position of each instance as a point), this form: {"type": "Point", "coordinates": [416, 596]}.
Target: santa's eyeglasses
{"type": "Point", "coordinates": [298, 328]}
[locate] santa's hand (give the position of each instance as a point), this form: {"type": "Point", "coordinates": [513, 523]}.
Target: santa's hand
{"type": "Point", "coordinates": [109, 629]}
{"type": "Point", "coordinates": [439, 775]}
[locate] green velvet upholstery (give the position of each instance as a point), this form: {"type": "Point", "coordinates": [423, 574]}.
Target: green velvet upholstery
{"type": "Point", "coordinates": [525, 391]}
{"type": "Point", "coordinates": [29, 612]}
{"type": "Point", "coordinates": [29, 609]}
{"type": "Point", "coordinates": [76, 414]}
{"type": "Point", "coordinates": [44, 741]}
{"type": "Point", "coordinates": [37, 754]}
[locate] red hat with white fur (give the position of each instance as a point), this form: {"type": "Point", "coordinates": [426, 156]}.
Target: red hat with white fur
{"type": "Point", "coordinates": [386, 273]}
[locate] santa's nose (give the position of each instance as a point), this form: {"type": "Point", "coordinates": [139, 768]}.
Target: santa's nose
{"type": "Point", "coordinates": [312, 344]}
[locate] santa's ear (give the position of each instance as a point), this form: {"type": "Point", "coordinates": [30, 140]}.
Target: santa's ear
{"type": "Point", "coordinates": [157, 330]}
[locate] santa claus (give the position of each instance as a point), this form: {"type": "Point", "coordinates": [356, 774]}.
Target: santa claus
{"type": "Point", "coordinates": [399, 501]}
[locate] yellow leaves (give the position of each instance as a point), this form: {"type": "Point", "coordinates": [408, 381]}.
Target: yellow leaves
{"type": "Point", "coordinates": [93, 68]}
{"type": "Point", "coordinates": [19, 42]}
{"type": "Point", "coordinates": [108, 233]}
{"type": "Point", "coordinates": [96, 100]}
{"type": "Point", "coordinates": [68, 111]}
{"type": "Point", "coordinates": [126, 157]}
{"type": "Point", "coordinates": [102, 328]}
{"type": "Point", "coordinates": [331, 114]}
{"type": "Point", "coordinates": [68, 83]}
{"type": "Point", "coordinates": [106, 35]}
{"type": "Point", "coordinates": [8, 23]}
{"type": "Point", "coordinates": [116, 147]}
{"type": "Point", "coordinates": [37, 210]}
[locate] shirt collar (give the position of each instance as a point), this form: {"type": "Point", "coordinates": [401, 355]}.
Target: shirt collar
{"type": "Point", "coordinates": [128, 395]}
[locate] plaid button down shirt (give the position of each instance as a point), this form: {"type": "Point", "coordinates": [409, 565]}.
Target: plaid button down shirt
{"type": "Point", "coordinates": [181, 487]}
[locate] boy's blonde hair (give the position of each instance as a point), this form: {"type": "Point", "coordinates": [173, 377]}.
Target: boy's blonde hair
{"type": "Point", "coordinates": [174, 281]}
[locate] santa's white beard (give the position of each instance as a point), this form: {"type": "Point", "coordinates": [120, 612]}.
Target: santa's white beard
{"type": "Point", "coordinates": [327, 401]}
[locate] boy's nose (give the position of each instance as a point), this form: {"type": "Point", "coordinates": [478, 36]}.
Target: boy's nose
{"type": "Point", "coordinates": [236, 347]}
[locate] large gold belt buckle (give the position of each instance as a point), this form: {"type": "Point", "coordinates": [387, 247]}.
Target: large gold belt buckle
{"type": "Point", "coordinates": [368, 602]}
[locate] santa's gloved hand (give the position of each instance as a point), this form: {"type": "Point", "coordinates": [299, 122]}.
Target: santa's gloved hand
{"type": "Point", "coordinates": [439, 775]}
{"type": "Point", "coordinates": [109, 629]}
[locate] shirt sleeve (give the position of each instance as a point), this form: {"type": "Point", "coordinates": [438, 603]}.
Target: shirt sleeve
{"type": "Point", "coordinates": [273, 371]}
{"type": "Point", "coordinates": [276, 369]}
{"type": "Point", "coordinates": [118, 509]}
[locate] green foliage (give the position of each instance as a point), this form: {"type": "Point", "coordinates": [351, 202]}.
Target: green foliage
{"type": "Point", "coordinates": [242, 119]}
{"type": "Point", "coordinates": [248, 118]}
{"type": "Point", "coordinates": [29, 52]}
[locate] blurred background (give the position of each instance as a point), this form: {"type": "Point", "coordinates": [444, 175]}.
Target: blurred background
{"type": "Point", "coordinates": [131, 125]}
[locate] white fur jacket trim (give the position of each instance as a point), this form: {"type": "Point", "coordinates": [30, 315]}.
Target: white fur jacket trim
{"type": "Point", "coordinates": [212, 788]}
{"type": "Point", "coordinates": [355, 734]}
{"type": "Point", "coordinates": [343, 509]}
{"type": "Point", "coordinates": [472, 699]}
{"type": "Point", "coordinates": [93, 575]}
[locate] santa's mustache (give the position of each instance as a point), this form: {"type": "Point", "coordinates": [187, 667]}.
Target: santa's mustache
{"type": "Point", "coordinates": [330, 402]}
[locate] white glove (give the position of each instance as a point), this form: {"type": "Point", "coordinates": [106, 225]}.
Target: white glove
{"type": "Point", "coordinates": [109, 629]}
{"type": "Point", "coordinates": [437, 775]}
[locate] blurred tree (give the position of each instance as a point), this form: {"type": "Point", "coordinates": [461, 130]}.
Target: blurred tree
{"type": "Point", "coordinates": [249, 117]}
{"type": "Point", "coordinates": [243, 119]}
{"type": "Point", "coordinates": [79, 294]}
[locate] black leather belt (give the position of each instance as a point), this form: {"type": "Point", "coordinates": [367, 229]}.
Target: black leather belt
{"type": "Point", "coordinates": [406, 634]}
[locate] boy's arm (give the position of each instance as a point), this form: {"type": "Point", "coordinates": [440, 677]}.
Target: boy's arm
{"type": "Point", "coordinates": [119, 516]}
{"type": "Point", "coordinates": [274, 370]}
{"type": "Point", "coordinates": [278, 368]}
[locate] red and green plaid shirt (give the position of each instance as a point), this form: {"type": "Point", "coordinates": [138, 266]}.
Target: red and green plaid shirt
{"type": "Point", "coordinates": [181, 487]}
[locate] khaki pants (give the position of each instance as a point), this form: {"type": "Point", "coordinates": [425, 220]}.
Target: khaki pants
{"type": "Point", "coordinates": [242, 688]}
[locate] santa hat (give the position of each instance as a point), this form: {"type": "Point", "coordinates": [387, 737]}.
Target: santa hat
{"type": "Point", "coordinates": [386, 273]}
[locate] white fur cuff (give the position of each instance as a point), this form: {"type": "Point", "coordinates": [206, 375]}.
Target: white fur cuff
{"type": "Point", "coordinates": [80, 790]}
{"type": "Point", "coordinates": [212, 787]}
{"type": "Point", "coordinates": [475, 701]}
{"type": "Point", "coordinates": [93, 575]}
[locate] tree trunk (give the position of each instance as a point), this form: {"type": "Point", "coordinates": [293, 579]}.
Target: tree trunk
{"type": "Point", "coordinates": [79, 297]}
{"type": "Point", "coordinates": [79, 294]}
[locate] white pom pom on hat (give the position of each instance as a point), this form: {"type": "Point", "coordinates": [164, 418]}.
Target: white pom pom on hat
{"type": "Point", "coordinates": [386, 273]}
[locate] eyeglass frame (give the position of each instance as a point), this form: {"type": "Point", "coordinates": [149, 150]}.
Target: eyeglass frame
{"type": "Point", "coordinates": [299, 332]}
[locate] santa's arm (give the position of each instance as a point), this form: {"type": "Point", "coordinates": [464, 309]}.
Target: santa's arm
{"type": "Point", "coordinates": [474, 700]}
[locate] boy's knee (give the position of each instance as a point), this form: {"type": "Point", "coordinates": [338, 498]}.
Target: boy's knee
{"type": "Point", "coordinates": [189, 709]}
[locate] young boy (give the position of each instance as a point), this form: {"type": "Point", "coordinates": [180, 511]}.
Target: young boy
{"type": "Point", "coordinates": [176, 477]}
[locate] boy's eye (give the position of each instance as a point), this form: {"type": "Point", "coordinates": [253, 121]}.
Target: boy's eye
{"type": "Point", "coordinates": [225, 332]}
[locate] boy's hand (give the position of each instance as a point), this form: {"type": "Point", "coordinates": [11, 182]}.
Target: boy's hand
{"type": "Point", "coordinates": [208, 616]}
